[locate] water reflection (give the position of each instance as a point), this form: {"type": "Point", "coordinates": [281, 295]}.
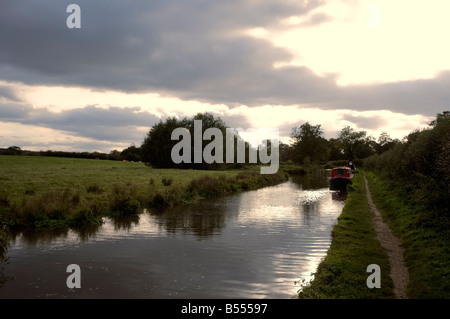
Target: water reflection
{"type": "Point", "coordinates": [3, 260]}
{"type": "Point", "coordinates": [315, 179]}
{"type": "Point", "coordinates": [126, 222]}
{"type": "Point", "coordinates": [251, 245]}
{"type": "Point", "coordinates": [202, 219]}
{"type": "Point", "coordinates": [36, 237]}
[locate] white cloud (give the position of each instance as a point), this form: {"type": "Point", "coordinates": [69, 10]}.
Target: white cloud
{"type": "Point", "coordinates": [408, 45]}
{"type": "Point", "coordinates": [255, 64]}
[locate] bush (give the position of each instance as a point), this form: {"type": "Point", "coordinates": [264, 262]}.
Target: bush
{"type": "Point", "coordinates": [166, 181]}
{"type": "Point", "coordinates": [94, 188]}
{"type": "Point", "coordinates": [124, 200]}
{"type": "Point", "coordinates": [419, 166]}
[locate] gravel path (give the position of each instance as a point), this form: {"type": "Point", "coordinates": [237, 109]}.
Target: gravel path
{"type": "Point", "coordinates": [399, 272]}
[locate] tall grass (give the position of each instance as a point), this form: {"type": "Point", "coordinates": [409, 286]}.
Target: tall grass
{"type": "Point", "coordinates": [54, 192]}
{"type": "Point", "coordinates": [425, 239]}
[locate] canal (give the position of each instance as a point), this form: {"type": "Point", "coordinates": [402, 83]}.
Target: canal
{"type": "Point", "coordinates": [255, 244]}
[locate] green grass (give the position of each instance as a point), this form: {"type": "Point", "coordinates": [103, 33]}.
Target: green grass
{"type": "Point", "coordinates": [342, 273]}
{"type": "Point", "coordinates": [51, 192]}
{"type": "Point", "coordinates": [425, 238]}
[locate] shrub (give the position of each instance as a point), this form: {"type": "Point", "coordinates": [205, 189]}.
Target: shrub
{"type": "Point", "coordinates": [167, 181]}
{"type": "Point", "coordinates": [124, 200]}
{"type": "Point", "coordinates": [94, 188]}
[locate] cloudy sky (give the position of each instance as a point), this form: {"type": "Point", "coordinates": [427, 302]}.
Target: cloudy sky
{"type": "Point", "coordinates": [376, 65]}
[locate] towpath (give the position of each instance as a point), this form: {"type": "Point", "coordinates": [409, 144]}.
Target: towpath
{"type": "Point", "coordinates": [399, 271]}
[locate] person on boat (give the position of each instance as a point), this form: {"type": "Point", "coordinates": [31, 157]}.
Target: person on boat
{"type": "Point", "coordinates": [352, 166]}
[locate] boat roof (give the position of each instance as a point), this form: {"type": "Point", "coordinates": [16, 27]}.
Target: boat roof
{"type": "Point", "coordinates": [342, 167]}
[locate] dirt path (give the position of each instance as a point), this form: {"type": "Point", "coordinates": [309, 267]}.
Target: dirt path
{"type": "Point", "coordinates": [399, 272]}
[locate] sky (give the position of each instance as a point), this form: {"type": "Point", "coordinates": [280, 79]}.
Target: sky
{"type": "Point", "coordinates": [374, 65]}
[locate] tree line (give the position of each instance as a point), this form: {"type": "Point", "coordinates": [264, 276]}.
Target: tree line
{"type": "Point", "coordinates": [308, 145]}
{"type": "Point", "coordinates": [420, 166]}
{"type": "Point", "coordinates": [131, 153]}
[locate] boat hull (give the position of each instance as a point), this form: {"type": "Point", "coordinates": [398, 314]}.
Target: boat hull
{"type": "Point", "coordinates": [339, 183]}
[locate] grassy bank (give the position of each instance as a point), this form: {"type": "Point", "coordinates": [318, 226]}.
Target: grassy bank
{"type": "Point", "coordinates": [342, 273]}
{"type": "Point", "coordinates": [53, 192]}
{"type": "Point", "coordinates": [425, 237]}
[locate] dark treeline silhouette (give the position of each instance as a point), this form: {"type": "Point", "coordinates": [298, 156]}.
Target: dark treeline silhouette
{"type": "Point", "coordinates": [157, 147]}
{"type": "Point", "coordinates": [131, 153]}
{"type": "Point", "coordinates": [419, 166]}
{"type": "Point", "coordinates": [308, 145]}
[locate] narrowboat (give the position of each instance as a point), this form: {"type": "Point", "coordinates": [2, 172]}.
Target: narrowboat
{"type": "Point", "coordinates": [340, 178]}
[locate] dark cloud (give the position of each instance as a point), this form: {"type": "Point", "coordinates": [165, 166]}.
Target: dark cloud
{"type": "Point", "coordinates": [185, 48]}
{"type": "Point", "coordinates": [8, 94]}
{"type": "Point", "coordinates": [188, 49]}
{"type": "Point", "coordinates": [112, 124]}
{"type": "Point", "coordinates": [428, 97]}
{"type": "Point", "coordinates": [364, 122]}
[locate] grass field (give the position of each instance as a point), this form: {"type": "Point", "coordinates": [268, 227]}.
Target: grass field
{"type": "Point", "coordinates": [40, 191]}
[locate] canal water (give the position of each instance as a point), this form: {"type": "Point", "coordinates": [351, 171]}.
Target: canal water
{"type": "Point", "coordinates": [256, 244]}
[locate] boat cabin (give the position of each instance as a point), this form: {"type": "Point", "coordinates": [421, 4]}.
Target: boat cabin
{"type": "Point", "coordinates": [340, 178]}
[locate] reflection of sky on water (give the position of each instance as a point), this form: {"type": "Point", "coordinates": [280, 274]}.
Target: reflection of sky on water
{"type": "Point", "coordinates": [255, 244]}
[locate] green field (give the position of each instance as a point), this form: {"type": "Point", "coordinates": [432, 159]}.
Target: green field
{"type": "Point", "coordinates": [37, 191]}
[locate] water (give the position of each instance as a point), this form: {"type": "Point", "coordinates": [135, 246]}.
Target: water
{"type": "Point", "coordinates": [256, 244]}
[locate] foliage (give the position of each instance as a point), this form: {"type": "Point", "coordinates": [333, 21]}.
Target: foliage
{"type": "Point", "coordinates": [356, 144]}
{"type": "Point", "coordinates": [157, 147]}
{"type": "Point", "coordinates": [419, 166]}
{"type": "Point", "coordinates": [425, 239]}
{"type": "Point", "coordinates": [309, 143]}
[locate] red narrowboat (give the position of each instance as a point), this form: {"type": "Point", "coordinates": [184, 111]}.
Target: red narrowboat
{"type": "Point", "coordinates": [340, 178]}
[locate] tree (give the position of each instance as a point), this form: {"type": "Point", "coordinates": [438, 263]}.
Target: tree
{"type": "Point", "coordinates": [157, 146]}
{"type": "Point", "coordinates": [13, 150]}
{"type": "Point", "coordinates": [309, 143]}
{"type": "Point", "coordinates": [285, 152]}
{"type": "Point", "coordinates": [132, 154]}
{"type": "Point", "coordinates": [114, 155]}
{"type": "Point", "coordinates": [336, 150]}
{"type": "Point", "coordinates": [385, 143]}
{"type": "Point", "coordinates": [356, 144]}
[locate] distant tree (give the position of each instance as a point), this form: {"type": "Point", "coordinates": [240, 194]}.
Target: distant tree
{"type": "Point", "coordinates": [440, 117]}
{"type": "Point", "coordinates": [285, 152]}
{"type": "Point", "coordinates": [13, 150]}
{"type": "Point", "coordinates": [132, 154]}
{"type": "Point", "coordinates": [157, 146]}
{"type": "Point", "coordinates": [114, 155]}
{"type": "Point", "coordinates": [356, 144]}
{"type": "Point", "coordinates": [336, 150]}
{"type": "Point", "coordinates": [309, 143]}
{"type": "Point", "coordinates": [208, 121]}
{"type": "Point", "coordinates": [385, 143]}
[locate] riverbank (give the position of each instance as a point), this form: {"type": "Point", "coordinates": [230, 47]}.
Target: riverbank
{"type": "Point", "coordinates": [342, 274]}
{"type": "Point", "coordinates": [425, 237]}
{"type": "Point", "coordinates": [37, 192]}
{"type": "Point", "coordinates": [425, 243]}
